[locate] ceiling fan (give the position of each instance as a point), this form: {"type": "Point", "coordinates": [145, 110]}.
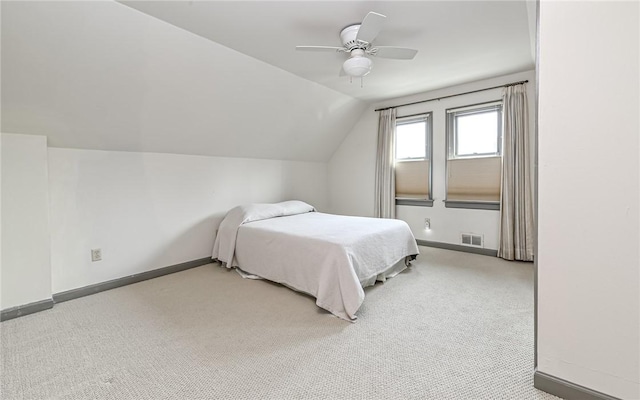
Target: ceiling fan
{"type": "Point", "coordinates": [357, 40]}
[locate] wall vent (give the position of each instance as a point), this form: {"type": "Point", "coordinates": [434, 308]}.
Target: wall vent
{"type": "Point", "coordinates": [471, 239]}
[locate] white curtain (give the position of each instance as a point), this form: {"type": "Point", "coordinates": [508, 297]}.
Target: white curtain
{"type": "Point", "coordinates": [516, 204]}
{"type": "Point", "coordinates": [385, 200]}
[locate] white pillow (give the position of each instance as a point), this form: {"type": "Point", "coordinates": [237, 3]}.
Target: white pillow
{"type": "Point", "coordinates": [293, 207]}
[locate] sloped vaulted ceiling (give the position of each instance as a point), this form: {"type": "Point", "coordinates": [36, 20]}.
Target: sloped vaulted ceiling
{"type": "Point", "coordinates": [101, 75]}
{"type": "Point", "coordinates": [223, 78]}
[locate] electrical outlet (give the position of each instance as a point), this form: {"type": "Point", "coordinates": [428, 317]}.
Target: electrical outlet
{"type": "Point", "coordinates": [427, 223]}
{"type": "Point", "coordinates": [96, 254]}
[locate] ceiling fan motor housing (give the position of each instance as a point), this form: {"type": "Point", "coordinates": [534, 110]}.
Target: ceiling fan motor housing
{"type": "Point", "coordinates": [348, 37]}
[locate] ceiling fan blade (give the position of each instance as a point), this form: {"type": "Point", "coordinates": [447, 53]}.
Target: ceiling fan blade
{"type": "Point", "coordinates": [399, 53]}
{"type": "Point", "coordinates": [320, 48]}
{"type": "Point", "coordinates": [370, 27]}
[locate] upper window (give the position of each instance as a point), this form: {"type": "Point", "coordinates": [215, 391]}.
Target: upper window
{"type": "Point", "coordinates": [411, 139]}
{"type": "Point", "coordinates": [413, 160]}
{"type": "Point", "coordinates": [475, 131]}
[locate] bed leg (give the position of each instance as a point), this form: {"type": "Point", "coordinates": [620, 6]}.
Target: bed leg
{"type": "Point", "coordinates": [408, 259]}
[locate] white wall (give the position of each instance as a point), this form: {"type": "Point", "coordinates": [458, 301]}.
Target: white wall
{"type": "Point", "coordinates": [352, 167]}
{"type": "Point", "coordinates": [148, 210]}
{"type": "Point", "coordinates": [0, 222]}
{"type": "Point", "coordinates": [26, 268]}
{"type": "Point", "coordinates": [0, 179]}
{"type": "Point", "coordinates": [588, 235]}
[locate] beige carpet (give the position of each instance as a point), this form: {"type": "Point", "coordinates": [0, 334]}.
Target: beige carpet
{"type": "Point", "coordinates": [455, 326]}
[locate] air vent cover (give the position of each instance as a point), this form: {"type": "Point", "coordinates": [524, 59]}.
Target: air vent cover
{"type": "Point", "coordinates": [471, 239]}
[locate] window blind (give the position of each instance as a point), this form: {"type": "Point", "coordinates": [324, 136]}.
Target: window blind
{"type": "Point", "coordinates": [471, 179]}
{"type": "Point", "coordinates": [412, 179]}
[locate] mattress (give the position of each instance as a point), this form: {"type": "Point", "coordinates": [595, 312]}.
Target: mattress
{"type": "Point", "coordinates": [330, 257]}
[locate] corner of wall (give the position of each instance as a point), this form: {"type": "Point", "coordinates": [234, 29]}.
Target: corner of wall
{"type": "Point", "coordinates": [25, 241]}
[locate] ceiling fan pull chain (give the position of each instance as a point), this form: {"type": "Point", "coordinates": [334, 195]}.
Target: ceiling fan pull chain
{"type": "Point", "coordinates": [361, 82]}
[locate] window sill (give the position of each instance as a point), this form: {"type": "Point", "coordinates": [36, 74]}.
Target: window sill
{"type": "Point", "coordinates": [414, 202]}
{"type": "Point", "coordinates": [474, 156]}
{"type": "Point", "coordinates": [473, 205]}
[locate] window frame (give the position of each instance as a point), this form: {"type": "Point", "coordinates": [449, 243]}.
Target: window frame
{"type": "Point", "coordinates": [427, 117]}
{"type": "Point", "coordinates": [452, 131]}
{"type": "Point", "coordinates": [450, 151]}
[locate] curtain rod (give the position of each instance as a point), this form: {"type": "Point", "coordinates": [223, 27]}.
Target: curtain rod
{"type": "Point", "coordinates": [452, 95]}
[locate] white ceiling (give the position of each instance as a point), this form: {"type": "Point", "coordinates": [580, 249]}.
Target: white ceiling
{"type": "Point", "coordinates": [103, 75]}
{"type": "Point", "coordinates": [458, 41]}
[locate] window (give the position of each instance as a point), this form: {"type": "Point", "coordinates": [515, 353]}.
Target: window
{"type": "Point", "coordinates": [475, 131]}
{"type": "Point", "coordinates": [474, 143]}
{"type": "Point", "coordinates": [413, 160]}
{"type": "Point", "coordinates": [411, 140]}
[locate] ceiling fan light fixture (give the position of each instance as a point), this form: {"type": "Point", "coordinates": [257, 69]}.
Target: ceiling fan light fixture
{"type": "Point", "coordinates": [357, 66]}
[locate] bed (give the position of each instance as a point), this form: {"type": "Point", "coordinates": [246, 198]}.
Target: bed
{"type": "Point", "coordinates": [331, 257]}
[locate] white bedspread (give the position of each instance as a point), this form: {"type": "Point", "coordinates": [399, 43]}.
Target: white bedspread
{"type": "Point", "coordinates": [327, 256]}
